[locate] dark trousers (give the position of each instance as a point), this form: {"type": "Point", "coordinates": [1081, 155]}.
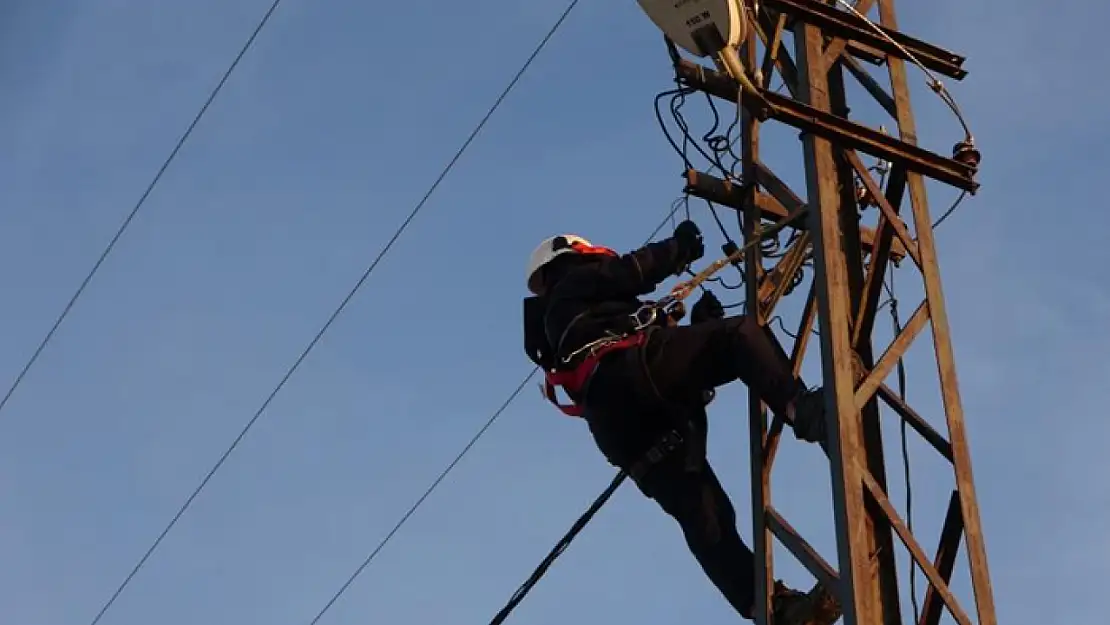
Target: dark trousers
{"type": "Point", "coordinates": [638, 395]}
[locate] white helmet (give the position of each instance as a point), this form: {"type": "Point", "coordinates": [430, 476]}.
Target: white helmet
{"type": "Point", "coordinates": [550, 249]}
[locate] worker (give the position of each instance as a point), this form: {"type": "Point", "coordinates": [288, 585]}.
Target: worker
{"type": "Point", "coordinates": [635, 380]}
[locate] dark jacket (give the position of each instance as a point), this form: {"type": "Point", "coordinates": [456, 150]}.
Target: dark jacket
{"type": "Point", "coordinates": [596, 295]}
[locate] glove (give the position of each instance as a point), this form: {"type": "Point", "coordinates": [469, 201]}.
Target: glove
{"type": "Point", "coordinates": [708, 307]}
{"type": "Point", "coordinates": [690, 244]}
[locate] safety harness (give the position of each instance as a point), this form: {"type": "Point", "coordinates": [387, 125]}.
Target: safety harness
{"type": "Point", "coordinates": [574, 380]}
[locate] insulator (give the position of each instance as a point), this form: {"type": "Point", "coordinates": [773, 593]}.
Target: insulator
{"type": "Point", "coordinates": [966, 153]}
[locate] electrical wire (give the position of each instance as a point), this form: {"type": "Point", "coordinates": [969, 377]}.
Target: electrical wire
{"type": "Point", "coordinates": [420, 501]}
{"type": "Point", "coordinates": [339, 309]}
{"type": "Point", "coordinates": [663, 125]}
{"type": "Point", "coordinates": [904, 439]}
{"type": "Point", "coordinates": [777, 320]}
{"type": "Point", "coordinates": [730, 244]}
{"type": "Point", "coordinates": [720, 145]}
{"type": "Point", "coordinates": [892, 302]}
{"type": "Point", "coordinates": [951, 209]}
{"type": "Point", "coordinates": [720, 224]}
{"type": "Point", "coordinates": [451, 466]}
{"type": "Point", "coordinates": [678, 98]}
{"type": "Point", "coordinates": [138, 205]}
{"type": "Point", "coordinates": [677, 102]}
{"type": "Point", "coordinates": [934, 83]}
{"type": "Point", "coordinates": [683, 202]}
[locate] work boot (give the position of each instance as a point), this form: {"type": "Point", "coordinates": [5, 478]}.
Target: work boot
{"type": "Point", "coordinates": [809, 421]}
{"type": "Point", "coordinates": [793, 607]}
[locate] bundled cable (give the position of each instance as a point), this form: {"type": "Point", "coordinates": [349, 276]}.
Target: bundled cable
{"type": "Point", "coordinates": [669, 444]}
{"type": "Point", "coordinates": [559, 548]}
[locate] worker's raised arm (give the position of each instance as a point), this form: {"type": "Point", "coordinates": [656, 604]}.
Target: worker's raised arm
{"type": "Point", "coordinates": [639, 272]}
{"type": "Point", "coordinates": [583, 271]}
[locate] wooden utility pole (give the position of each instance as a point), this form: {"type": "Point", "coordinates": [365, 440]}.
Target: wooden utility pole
{"type": "Point", "coordinates": [850, 263]}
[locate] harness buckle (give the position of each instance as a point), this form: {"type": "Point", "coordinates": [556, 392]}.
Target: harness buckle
{"type": "Point", "coordinates": [665, 447]}
{"type": "Point", "coordinates": [652, 311]}
{"type": "Point", "coordinates": [666, 305]}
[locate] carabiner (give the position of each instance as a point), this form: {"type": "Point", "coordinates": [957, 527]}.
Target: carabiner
{"type": "Point", "coordinates": [638, 316]}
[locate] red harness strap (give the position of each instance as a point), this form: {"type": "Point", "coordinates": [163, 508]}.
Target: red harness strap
{"type": "Point", "coordinates": [574, 380]}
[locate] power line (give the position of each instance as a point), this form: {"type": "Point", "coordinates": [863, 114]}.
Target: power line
{"type": "Point", "coordinates": [451, 465]}
{"type": "Point", "coordinates": [342, 305]}
{"type": "Point", "coordinates": [419, 502]}
{"type": "Point", "coordinates": [138, 205]}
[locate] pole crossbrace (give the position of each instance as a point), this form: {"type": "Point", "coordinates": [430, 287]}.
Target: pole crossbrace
{"type": "Point", "coordinates": [850, 263]}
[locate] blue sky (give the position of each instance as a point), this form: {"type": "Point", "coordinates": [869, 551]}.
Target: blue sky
{"type": "Point", "coordinates": [330, 130]}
